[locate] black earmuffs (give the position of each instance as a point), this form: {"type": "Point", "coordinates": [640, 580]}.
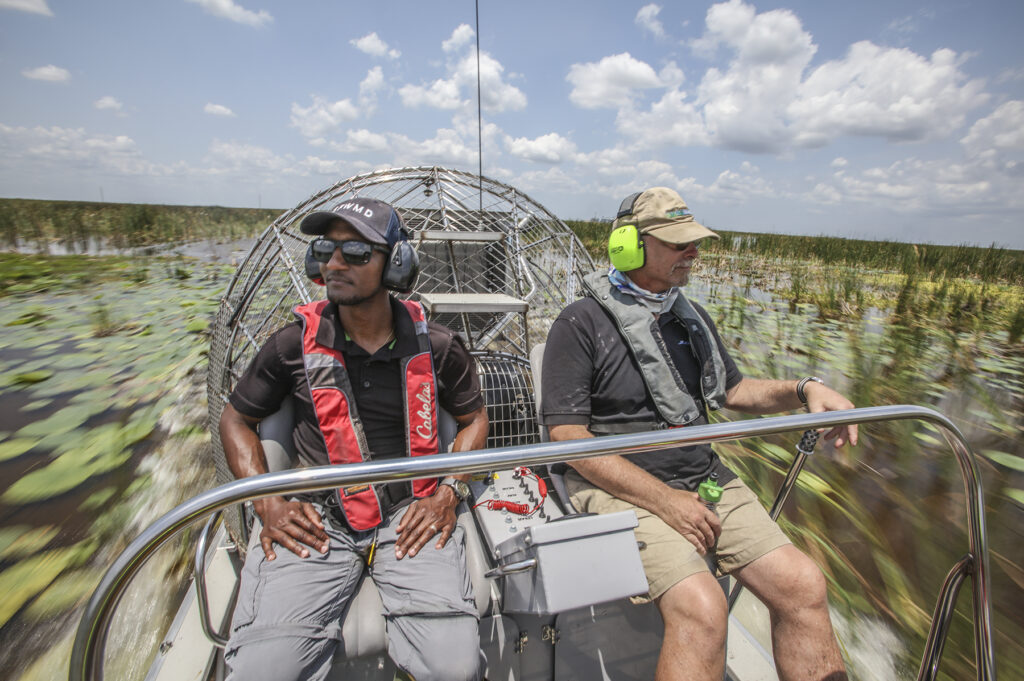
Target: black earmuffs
{"type": "Point", "coordinates": [400, 271]}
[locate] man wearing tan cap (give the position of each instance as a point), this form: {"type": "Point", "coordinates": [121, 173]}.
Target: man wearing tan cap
{"type": "Point", "coordinates": [634, 355]}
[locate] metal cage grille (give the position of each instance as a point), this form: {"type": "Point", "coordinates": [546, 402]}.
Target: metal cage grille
{"type": "Point", "coordinates": [474, 236]}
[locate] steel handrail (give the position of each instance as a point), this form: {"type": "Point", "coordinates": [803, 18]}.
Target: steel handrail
{"type": "Point", "coordinates": [86, 664]}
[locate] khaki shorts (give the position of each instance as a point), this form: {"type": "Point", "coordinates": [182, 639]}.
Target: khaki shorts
{"type": "Point", "coordinates": [668, 558]}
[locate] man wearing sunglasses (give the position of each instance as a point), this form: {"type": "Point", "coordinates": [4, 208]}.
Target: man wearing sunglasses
{"type": "Point", "coordinates": [667, 369]}
{"type": "Point", "coordinates": [366, 374]}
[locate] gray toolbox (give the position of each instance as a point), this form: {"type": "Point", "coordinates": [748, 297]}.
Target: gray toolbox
{"type": "Point", "coordinates": [570, 563]}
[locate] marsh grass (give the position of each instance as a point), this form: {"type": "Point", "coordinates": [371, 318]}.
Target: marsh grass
{"type": "Point", "coordinates": [80, 227]}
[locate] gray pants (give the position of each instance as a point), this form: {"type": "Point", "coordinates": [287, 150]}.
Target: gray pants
{"type": "Point", "coordinates": [287, 622]}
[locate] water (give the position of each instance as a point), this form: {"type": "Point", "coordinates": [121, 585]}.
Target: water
{"type": "Point", "coordinates": [886, 520]}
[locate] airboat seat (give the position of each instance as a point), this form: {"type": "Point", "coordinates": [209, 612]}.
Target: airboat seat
{"type": "Point", "coordinates": [363, 625]}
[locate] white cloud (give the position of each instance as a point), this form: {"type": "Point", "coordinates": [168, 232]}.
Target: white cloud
{"type": "Point", "coordinates": [647, 19]}
{"type": "Point", "coordinates": [670, 121]}
{"type": "Point", "coordinates": [72, 148]}
{"type": "Point", "coordinates": [372, 45]}
{"type": "Point", "coordinates": [460, 37]}
{"type": "Point", "coordinates": [368, 89]}
{"type": "Point", "coordinates": [611, 82]}
{"type": "Point", "coordinates": [218, 110]}
{"type": "Point", "coordinates": [447, 147]}
{"type": "Point", "coordinates": [446, 93]}
{"type": "Point", "coordinates": [1003, 130]}
{"type": "Point", "coordinates": [885, 92]}
{"type": "Point", "coordinates": [549, 148]}
{"type": "Point", "coordinates": [839, 162]}
{"type": "Point", "coordinates": [322, 117]}
{"type": "Point", "coordinates": [34, 6]}
{"type": "Point", "coordinates": [360, 141]}
{"type": "Point", "coordinates": [323, 166]}
{"type": "Point", "coordinates": [738, 187]}
{"type": "Point", "coordinates": [224, 157]}
{"type": "Point", "coordinates": [51, 73]}
{"type": "Point", "coordinates": [1010, 75]}
{"type": "Point", "coordinates": [228, 9]}
{"type": "Point", "coordinates": [496, 95]}
{"type": "Point", "coordinates": [441, 94]}
{"type": "Point", "coordinates": [108, 102]}
{"type": "Point", "coordinates": [745, 106]}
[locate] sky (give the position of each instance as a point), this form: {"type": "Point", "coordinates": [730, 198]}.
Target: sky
{"type": "Point", "coordinates": [888, 120]}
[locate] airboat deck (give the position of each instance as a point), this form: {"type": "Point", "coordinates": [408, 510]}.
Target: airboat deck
{"type": "Point", "coordinates": [496, 267]}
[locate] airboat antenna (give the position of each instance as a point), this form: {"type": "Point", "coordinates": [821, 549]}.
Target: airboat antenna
{"type": "Point", "coordinates": [479, 115]}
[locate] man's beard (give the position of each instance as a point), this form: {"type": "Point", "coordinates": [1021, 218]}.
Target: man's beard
{"type": "Point", "coordinates": [353, 298]}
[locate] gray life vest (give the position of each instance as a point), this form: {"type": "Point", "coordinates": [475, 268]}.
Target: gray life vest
{"type": "Point", "coordinates": [639, 329]}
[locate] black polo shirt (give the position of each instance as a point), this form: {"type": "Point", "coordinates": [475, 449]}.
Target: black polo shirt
{"type": "Point", "coordinates": [591, 377]}
{"type": "Point", "coordinates": [278, 371]}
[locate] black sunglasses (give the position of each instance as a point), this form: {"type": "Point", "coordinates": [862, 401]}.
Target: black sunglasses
{"type": "Point", "coordinates": [354, 252]}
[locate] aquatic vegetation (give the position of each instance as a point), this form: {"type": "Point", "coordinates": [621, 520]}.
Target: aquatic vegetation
{"type": "Point", "coordinates": [84, 410]}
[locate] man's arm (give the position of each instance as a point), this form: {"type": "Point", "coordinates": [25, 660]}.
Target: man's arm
{"type": "Point", "coordinates": [681, 510]}
{"type": "Point", "coordinates": [762, 396]}
{"type": "Point", "coordinates": [426, 517]}
{"type": "Point", "coordinates": [286, 522]}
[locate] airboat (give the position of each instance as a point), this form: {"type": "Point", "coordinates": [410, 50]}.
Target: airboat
{"type": "Point", "coordinates": [552, 586]}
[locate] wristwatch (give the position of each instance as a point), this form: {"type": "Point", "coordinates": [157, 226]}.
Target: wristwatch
{"type": "Point", "coordinates": [803, 383]}
{"type": "Point", "coordinates": [460, 488]}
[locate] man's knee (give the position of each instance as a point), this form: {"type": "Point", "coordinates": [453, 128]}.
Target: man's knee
{"type": "Point", "coordinates": [445, 648]}
{"type": "Point", "coordinates": [799, 586]}
{"type": "Point", "coordinates": [698, 606]}
{"type": "Point", "coordinates": [279, 659]}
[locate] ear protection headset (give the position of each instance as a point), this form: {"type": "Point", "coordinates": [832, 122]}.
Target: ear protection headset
{"type": "Point", "coordinates": [400, 271]}
{"type": "Point", "coordinates": [625, 244]}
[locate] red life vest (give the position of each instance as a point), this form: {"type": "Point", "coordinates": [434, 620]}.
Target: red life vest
{"type": "Point", "coordinates": [339, 420]}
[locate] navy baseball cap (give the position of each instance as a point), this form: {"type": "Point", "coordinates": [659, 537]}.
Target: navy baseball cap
{"type": "Point", "coordinates": [375, 220]}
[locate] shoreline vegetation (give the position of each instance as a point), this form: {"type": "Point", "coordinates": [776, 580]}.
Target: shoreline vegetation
{"type": "Point", "coordinates": [969, 287]}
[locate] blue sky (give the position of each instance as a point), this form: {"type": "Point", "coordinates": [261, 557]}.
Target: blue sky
{"type": "Point", "coordinates": [889, 120]}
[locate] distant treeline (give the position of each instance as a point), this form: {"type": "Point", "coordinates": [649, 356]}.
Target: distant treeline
{"type": "Point", "coordinates": [81, 225]}
{"type": "Point", "coordinates": [989, 264]}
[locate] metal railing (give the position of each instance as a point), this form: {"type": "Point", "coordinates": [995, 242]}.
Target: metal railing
{"type": "Point", "coordinates": [90, 640]}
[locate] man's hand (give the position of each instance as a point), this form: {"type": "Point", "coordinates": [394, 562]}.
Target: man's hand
{"type": "Point", "coordinates": [288, 523]}
{"type": "Point", "coordinates": [687, 515]}
{"type": "Point", "coordinates": [425, 518]}
{"type": "Point", "coordinates": [822, 398]}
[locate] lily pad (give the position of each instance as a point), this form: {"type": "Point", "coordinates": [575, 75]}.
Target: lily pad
{"type": "Point", "coordinates": [30, 377]}
{"type": "Point", "coordinates": [22, 540]}
{"type": "Point", "coordinates": [25, 580]}
{"type": "Point", "coordinates": [11, 449]}
{"type": "Point", "coordinates": [98, 499]}
{"type": "Point", "coordinates": [197, 325]}
{"type": "Point", "coordinates": [61, 421]}
{"type": "Point", "coordinates": [64, 593]}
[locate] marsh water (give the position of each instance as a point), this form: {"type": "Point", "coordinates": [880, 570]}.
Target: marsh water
{"type": "Point", "coordinates": [102, 416]}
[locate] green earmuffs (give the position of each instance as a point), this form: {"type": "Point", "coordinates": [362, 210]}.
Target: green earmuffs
{"type": "Point", "coordinates": [625, 245]}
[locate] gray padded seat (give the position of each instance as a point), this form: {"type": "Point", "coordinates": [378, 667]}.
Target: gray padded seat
{"type": "Point", "coordinates": [363, 626]}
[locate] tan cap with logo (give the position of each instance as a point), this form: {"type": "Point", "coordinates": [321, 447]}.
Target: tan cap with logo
{"type": "Point", "coordinates": [663, 214]}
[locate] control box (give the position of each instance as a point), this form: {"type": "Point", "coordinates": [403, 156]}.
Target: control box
{"type": "Point", "coordinates": [511, 501]}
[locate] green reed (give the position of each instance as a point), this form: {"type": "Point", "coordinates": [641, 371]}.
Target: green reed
{"type": "Point", "coordinates": [78, 225]}
{"type": "Point", "coordinates": [992, 263]}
